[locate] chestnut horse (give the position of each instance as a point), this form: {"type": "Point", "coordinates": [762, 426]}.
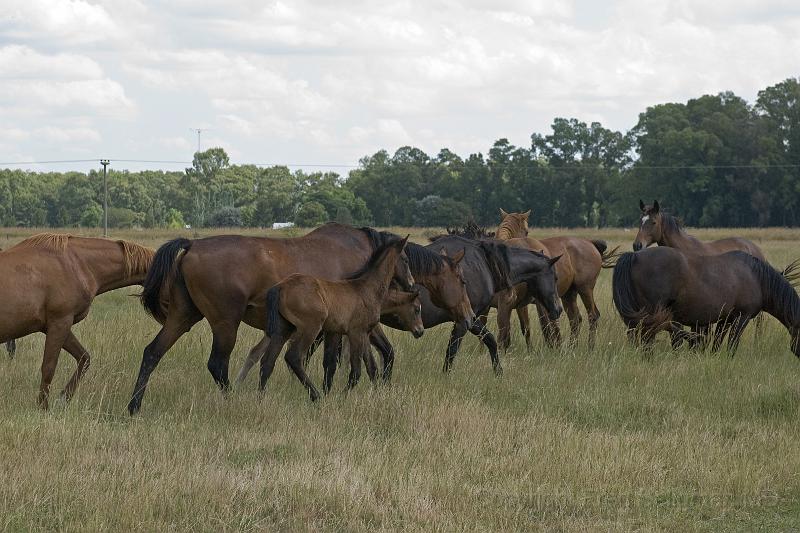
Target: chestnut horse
{"type": "Point", "coordinates": [301, 307]}
{"type": "Point", "coordinates": [50, 281]}
{"type": "Point", "coordinates": [577, 272]}
{"type": "Point", "coordinates": [659, 289]}
{"type": "Point", "coordinates": [184, 286]}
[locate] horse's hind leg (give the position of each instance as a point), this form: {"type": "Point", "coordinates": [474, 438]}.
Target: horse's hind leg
{"type": "Point", "coordinates": [359, 348]}
{"type": "Point", "coordinates": [314, 346]}
{"type": "Point", "coordinates": [456, 336]}
{"type": "Point", "coordinates": [298, 347]}
{"type": "Point", "coordinates": [525, 325]}
{"type": "Point", "coordinates": [224, 340]}
{"type": "Point", "coordinates": [282, 332]}
{"type": "Point", "coordinates": [57, 333]}
{"type": "Point", "coordinates": [11, 347]}
{"type": "Point", "coordinates": [504, 308]}
{"type": "Point", "coordinates": [76, 350]}
{"type": "Point", "coordinates": [592, 313]}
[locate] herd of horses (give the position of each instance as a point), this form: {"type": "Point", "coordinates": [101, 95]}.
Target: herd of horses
{"type": "Point", "coordinates": [341, 281]}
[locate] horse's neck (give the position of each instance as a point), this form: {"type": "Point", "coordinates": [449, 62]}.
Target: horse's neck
{"type": "Point", "coordinates": [680, 240]}
{"type": "Point", "coordinates": [503, 233]}
{"type": "Point", "coordinates": [522, 265]}
{"type": "Point", "coordinates": [105, 263]}
{"type": "Point", "coordinates": [376, 281]}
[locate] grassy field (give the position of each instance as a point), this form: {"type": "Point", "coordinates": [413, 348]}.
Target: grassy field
{"type": "Point", "coordinates": [564, 440]}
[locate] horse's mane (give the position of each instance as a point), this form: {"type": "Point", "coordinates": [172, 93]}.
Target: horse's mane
{"type": "Point", "coordinates": [374, 259]}
{"type": "Point", "coordinates": [51, 241]}
{"type": "Point", "coordinates": [511, 224]}
{"type": "Point", "coordinates": [471, 230]}
{"type": "Point", "coordinates": [779, 293]}
{"type": "Point", "coordinates": [672, 222]}
{"type": "Point", "coordinates": [138, 258]}
{"type": "Point", "coordinates": [420, 259]}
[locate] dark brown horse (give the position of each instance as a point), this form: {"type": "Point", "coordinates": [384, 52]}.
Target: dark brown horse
{"type": "Point", "coordinates": [659, 289]}
{"type": "Point", "coordinates": [50, 281]}
{"type": "Point", "coordinates": [577, 271]}
{"type": "Point", "coordinates": [11, 346]}
{"type": "Point", "coordinates": [664, 229]}
{"type": "Point", "coordinates": [184, 286]}
{"type": "Point", "coordinates": [301, 307]}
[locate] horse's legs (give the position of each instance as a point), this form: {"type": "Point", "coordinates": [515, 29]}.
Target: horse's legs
{"type": "Point", "coordinates": [453, 344]}
{"type": "Point", "coordinates": [11, 347]}
{"type": "Point", "coordinates": [281, 333]}
{"type": "Point", "coordinates": [550, 330]}
{"type": "Point", "coordinates": [592, 313]}
{"type": "Point", "coordinates": [298, 348]}
{"type": "Point", "coordinates": [255, 355]}
{"type": "Point", "coordinates": [379, 340]}
{"type": "Point", "coordinates": [76, 350]}
{"type": "Point", "coordinates": [525, 325]}
{"type": "Point", "coordinates": [479, 329]}
{"type": "Point", "coordinates": [314, 346]}
{"type": "Point", "coordinates": [359, 344]}
{"type": "Point", "coordinates": [570, 303]}
{"type": "Point", "coordinates": [736, 333]}
{"type": "Point", "coordinates": [57, 332]}
{"type": "Point", "coordinates": [224, 340]}
{"type": "Point", "coordinates": [333, 346]}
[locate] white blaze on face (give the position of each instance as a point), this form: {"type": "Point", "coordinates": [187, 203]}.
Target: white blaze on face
{"type": "Point", "coordinates": [645, 219]}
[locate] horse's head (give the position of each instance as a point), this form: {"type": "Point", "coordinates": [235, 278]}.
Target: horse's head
{"type": "Point", "coordinates": [402, 268]}
{"type": "Point", "coordinates": [407, 309]}
{"type": "Point", "coordinates": [650, 229]}
{"type": "Point", "coordinates": [448, 289]}
{"type": "Point", "coordinates": [544, 287]}
{"type": "Point", "coordinates": [513, 224]}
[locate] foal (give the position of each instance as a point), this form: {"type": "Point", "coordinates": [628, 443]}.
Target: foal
{"type": "Point", "coordinates": [302, 306]}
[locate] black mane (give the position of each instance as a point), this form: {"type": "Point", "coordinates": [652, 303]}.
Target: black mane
{"type": "Point", "coordinates": [778, 293]}
{"type": "Point", "coordinates": [421, 260]}
{"type": "Point", "coordinates": [374, 259]}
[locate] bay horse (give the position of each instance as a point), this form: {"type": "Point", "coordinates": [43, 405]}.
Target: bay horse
{"type": "Point", "coordinates": [301, 307]}
{"type": "Point", "coordinates": [184, 286]}
{"type": "Point", "coordinates": [658, 289]}
{"type": "Point", "coordinates": [660, 227]}
{"type": "Point", "coordinates": [577, 271]}
{"type": "Point", "coordinates": [50, 281]}
{"type": "Point", "coordinates": [11, 346]}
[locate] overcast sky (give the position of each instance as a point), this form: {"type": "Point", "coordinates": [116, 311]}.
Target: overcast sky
{"type": "Point", "coordinates": [303, 82]}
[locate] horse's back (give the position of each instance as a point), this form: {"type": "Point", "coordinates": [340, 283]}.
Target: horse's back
{"type": "Point", "coordinates": [732, 244]}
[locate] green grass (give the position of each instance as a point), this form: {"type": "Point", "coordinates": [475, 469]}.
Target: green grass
{"type": "Point", "coordinates": [565, 439]}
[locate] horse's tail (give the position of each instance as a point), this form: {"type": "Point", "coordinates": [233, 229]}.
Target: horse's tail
{"type": "Point", "coordinates": [634, 313]}
{"type": "Point", "coordinates": [273, 310]}
{"type": "Point", "coordinates": [162, 272]}
{"type": "Point", "coordinates": [600, 244]}
{"type": "Point", "coordinates": [609, 257]}
{"type": "Point", "coordinates": [792, 273]}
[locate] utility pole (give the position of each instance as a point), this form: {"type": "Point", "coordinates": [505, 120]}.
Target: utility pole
{"type": "Point", "coordinates": [199, 131]}
{"type": "Point", "coordinates": [105, 163]}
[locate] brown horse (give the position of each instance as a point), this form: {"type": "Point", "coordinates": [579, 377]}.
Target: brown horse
{"type": "Point", "coordinates": [398, 305]}
{"type": "Point", "coordinates": [659, 289]}
{"type": "Point", "coordinates": [301, 307]}
{"type": "Point", "coordinates": [577, 272]}
{"type": "Point", "coordinates": [664, 229]}
{"type": "Point", "coordinates": [184, 286]}
{"type": "Point", "coordinates": [50, 281]}
{"type": "Point", "coordinates": [11, 346]}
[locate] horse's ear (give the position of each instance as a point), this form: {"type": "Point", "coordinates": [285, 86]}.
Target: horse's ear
{"type": "Point", "coordinates": [641, 204]}
{"type": "Point", "coordinates": [503, 213]}
{"type": "Point", "coordinates": [655, 207]}
{"type": "Point", "coordinates": [459, 256]}
{"type": "Point", "coordinates": [526, 214]}
{"type": "Point", "coordinates": [443, 252]}
{"type": "Point", "coordinates": [404, 242]}
{"type": "Point", "coordinates": [554, 259]}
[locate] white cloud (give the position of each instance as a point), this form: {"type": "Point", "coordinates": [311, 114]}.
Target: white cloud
{"type": "Point", "coordinates": [67, 21]}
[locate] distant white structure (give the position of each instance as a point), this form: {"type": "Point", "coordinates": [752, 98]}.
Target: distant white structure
{"type": "Point", "coordinates": [281, 225]}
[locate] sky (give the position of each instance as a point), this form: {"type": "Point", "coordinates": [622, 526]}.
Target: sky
{"type": "Point", "coordinates": [326, 83]}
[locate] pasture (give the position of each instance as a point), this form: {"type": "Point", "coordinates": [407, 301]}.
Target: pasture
{"type": "Point", "coordinates": [566, 439]}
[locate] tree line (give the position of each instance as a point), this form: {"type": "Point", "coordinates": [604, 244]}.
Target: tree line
{"type": "Point", "coordinates": [716, 160]}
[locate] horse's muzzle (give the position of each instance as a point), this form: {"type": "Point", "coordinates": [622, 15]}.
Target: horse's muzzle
{"type": "Point", "coordinates": [637, 246]}
{"type": "Point", "coordinates": [418, 332]}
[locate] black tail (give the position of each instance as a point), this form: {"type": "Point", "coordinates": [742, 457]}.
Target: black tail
{"type": "Point", "coordinates": [162, 272]}
{"type": "Point", "coordinates": [625, 300]}
{"type": "Point", "coordinates": [600, 245]}
{"type": "Point", "coordinates": [273, 310]}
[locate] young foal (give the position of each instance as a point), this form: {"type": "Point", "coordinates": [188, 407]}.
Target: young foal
{"type": "Point", "coordinates": [302, 306]}
{"type": "Point", "coordinates": [50, 281]}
